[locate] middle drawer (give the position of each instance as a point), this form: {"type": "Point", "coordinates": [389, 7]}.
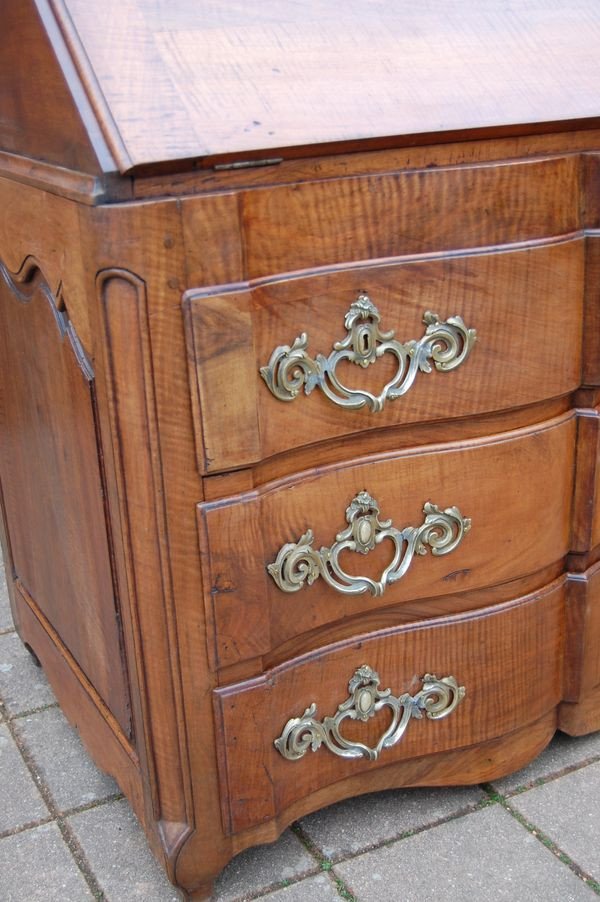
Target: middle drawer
{"type": "Point", "coordinates": [463, 516]}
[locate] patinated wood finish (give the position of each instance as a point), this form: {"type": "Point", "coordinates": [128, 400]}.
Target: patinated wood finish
{"type": "Point", "coordinates": [148, 474]}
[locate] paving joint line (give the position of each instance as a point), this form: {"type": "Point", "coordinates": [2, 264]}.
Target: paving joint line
{"type": "Point", "coordinates": [30, 825]}
{"type": "Point", "coordinates": [325, 864]}
{"type": "Point", "coordinates": [404, 834]}
{"type": "Point", "coordinates": [66, 832]}
{"type": "Point", "coordinates": [548, 778]}
{"type": "Point", "coordinates": [90, 806]}
{"type": "Point", "coordinates": [545, 840]}
{"type": "Point", "coordinates": [277, 884]}
{"type": "Point", "coordinates": [64, 815]}
{"type": "Point", "coordinates": [31, 711]}
{"type": "Point", "coordinates": [5, 631]}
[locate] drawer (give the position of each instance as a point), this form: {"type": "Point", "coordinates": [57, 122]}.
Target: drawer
{"type": "Point", "coordinates": [284, 363]}
{"type": "Point", "coordinates": [507, 660]}
{"type": "Point", "coordinates": [506, 485]}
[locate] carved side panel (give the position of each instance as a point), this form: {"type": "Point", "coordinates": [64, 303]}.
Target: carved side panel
{"type": "Point", "coordinates": [134, 427]}
{"type": "Point", "coordinates": [52, 481]}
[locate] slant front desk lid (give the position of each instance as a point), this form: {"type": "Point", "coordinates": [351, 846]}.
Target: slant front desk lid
{"type": "Point", "coordinates": [179, 81]}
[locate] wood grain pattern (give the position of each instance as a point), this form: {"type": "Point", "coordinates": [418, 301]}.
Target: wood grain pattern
{"type": "Point", "coordinates": [581, 718]}
{"type": "Point", "coordinates": [253, 616]}
{"type": "Point", "coordinates": [302, 226]}
{"type": "Point", "coordinates": [519, 301]}
{"type": "Point", "coordinates": [81, 704]}
{"type": "Point", "coordinates": [337, 164]}
{"type": "Point", "coordinates": [582, 660]}
{"type": "Point", "coordinates": [52, 481]}
{"type": "Point", "coordinates": [56, 245]}
{"type": "Point", "coordinates": [43, 110]}
{"type": "Point", "coordinates": [584, 534]}
{"type": "Point", "coordinates": [147, 240]}
{"type": "Point", "coordinates": [436, 190]}
{"type": "Point", "coordinates": [391, 72]}
{"type": "Point", "coordinates": [123, 298]}
{"type": "Point", "coordinates": [509, 681]}
{"type": "Point", "coordinates": [591, 321]}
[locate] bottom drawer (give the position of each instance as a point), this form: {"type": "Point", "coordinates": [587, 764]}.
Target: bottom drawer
{"type": "Point", "coordinates": [453, 682]}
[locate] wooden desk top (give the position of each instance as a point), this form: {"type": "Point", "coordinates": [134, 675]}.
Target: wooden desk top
{"type": "Point", "coordinates": [177, 81]}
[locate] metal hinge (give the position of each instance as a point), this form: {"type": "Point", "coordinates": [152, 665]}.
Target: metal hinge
{"type": "Point", "coordinates": [249, 164]}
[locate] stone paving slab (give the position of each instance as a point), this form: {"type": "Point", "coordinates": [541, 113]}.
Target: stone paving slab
{"type": "Point", "coordinates": [23, 685]}
{"type": "Point", "coordinates": [486, 856]}
{"type": "Point", "coordinates": [568, 811]}
{"type": "Point", "coordinates": [21, 802]}
{"type": "Point", "coordinates": [118, 854]}
{"type": "Point", "coordinates": [356, 824]}
{"type": "Point", "coordinates": [314, 889]}
{"type": "Point", "coordinates": [60, 758]}
{"type": "Point", "coordinates": [121, 862]}
{"type": "Point", "coordinates": [564, 751]}
{"type": "Point", "coordinates": [6, 622]}
{"type": "Point", "coordinates": [263, 867]}
{"type": "Point", "coordinates": [36, 866]}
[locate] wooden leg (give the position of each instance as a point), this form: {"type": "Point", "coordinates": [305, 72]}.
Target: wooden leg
{"type": "Point", "coordinates": [201, 893]}
{"type": "Point", "coordinates": [34, 657]}
{"type": "Point", "coordinates": [581, 717]}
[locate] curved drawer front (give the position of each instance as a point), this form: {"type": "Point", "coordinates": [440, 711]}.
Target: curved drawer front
{"type": "Point", "coordinates": [453, 683]}
{"type": "Point", "coordinates": [289, 559]}
{"type": "Point", "coordinates": [299, 360]}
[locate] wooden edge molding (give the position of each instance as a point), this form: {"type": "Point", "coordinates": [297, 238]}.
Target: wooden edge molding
{"type": "Point", "coordinates": [91, 105]}
{"type": "Point", "coordinates": [78, 675]}
{"type": "Point", "coordinates": [134, 425]}
{"type": "Point", "coordinates": [80, 187]}
{"type": "Point", "coordinates": [196, 293]}
{"type": "Point", "coordinates": [591, 309]}
{"type": "Point", "coordinates": [582, 661]}
{"type": "Point", "coordinates": [584, 492]}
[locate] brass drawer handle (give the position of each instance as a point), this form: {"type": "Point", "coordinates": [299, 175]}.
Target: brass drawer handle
{"type": "Point", "coordinates": [290, 369]}
{"type": "Point", "coordinates": [437, 699]}
{"type": "Point", "coordinates": [299, 563]}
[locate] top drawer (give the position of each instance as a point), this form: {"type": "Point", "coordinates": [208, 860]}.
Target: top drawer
{"type": "Point", "coordinates": [287, 362]}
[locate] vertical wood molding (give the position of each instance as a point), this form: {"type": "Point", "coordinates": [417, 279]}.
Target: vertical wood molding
{"type": "Point", "coordinates": [586, 467]}
{"type": "Point", "coordinates": [591, 311]}
{"type": "Point", "coordinates": [133, 420]}
{"type": "Point", "coordinates": [582, 656]}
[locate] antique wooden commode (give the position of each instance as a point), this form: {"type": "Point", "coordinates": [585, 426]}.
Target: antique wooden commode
{"type": "Point", "coordinates": [300, 394]}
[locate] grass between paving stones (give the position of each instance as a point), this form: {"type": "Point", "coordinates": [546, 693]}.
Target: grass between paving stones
{"type": "Point", "coordinates": [56, 816]}
{"type": "Point", "coordinates": [325, 863]}
{"type": "Point", "coordinates": [535, 831]}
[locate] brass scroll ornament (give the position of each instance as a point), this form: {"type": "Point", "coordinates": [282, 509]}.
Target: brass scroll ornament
{"type": "Point", "coordinates": [290, 369]}
{"type": "Point", "coordinates": [299, 563]}
{"type": "Point", "coordinates": [437, 699]}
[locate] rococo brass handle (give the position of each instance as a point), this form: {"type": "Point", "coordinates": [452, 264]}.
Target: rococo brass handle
{"type": "Point", "coordinates": [299, 563]}
{"type": "Point", "coordinates": [437, 699]}
{"type": "Point", "coordinates": [290, 368]}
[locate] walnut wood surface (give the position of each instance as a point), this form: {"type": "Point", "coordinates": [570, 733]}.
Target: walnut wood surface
{"type": "Point", "coordinates": [507, 224]}
{"type": "Point", "coordinates": [508, 659]}
{"type": "Point", "coordinates": [52, 481]}
{"type": "Point", "coordinates": [252, 616]}
{"type": "Point", "coordinates": [293, 76]}
{"type": "Point", "coordinates": [44, 113]}
{"type": "Point", "coordinates": [290, 227]}
{"type": "Point", "coordinates": [238, 421]}
{"type": "Point", "coordinates": [583, 629]}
